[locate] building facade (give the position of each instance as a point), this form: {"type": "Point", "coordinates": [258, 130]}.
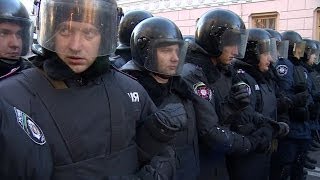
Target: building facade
{"type": "Point", "coordinates": [302, 16]}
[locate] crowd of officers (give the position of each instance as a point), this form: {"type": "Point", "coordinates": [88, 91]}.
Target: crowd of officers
{"type": "Point", "coordinates": [133, 99]}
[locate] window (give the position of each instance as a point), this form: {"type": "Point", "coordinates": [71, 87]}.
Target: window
{"type": "Point", "coordinates": [264, 20]}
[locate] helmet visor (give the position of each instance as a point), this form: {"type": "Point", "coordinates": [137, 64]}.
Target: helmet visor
{"type": "Point", "coordinates": [237, 39]}
{"type": "Point", "coordinates": [268, 46]}
{"type": "Point", "coordinates": [313, 55]}
{"type": "Point", "coordinates": [167, 57]}
{"type": "Point", "coordinates": [78, 23]}
{"type": "Point", "coordinates": [283, 48]}
{"type": "Point", "coordinates": [298, 49]}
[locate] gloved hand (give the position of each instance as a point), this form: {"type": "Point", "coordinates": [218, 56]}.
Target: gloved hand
{"type": "Point", "coordinates": [284, 104]}
{"type": "Point", "coordinates": [283, 129]}
{"type": "Point", "coordinates": [300, 99]}
{"type": "Point", "coordinates": [239, 95]}
{"type": "Point", "coordinates": [261, 139]}
{"type": "Point", "coordinates": [173, 116]}
{"type": "Point", "coordinates": [162, 166]}
{"type": "Point", "coordinates": [244, 129]}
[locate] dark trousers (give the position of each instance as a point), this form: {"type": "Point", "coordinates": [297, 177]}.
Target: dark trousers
{"type": "Point", "coordinates": [288, 160]}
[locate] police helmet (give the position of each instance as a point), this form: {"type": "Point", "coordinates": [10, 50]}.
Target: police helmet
{"type": "Point", "coordinates": [129, 21]}
{"type": "Point", "coordinates": [153, 33]}
{"type": "Point", "coordinates": [260, 42]}
{"type": "Point", "coordinates": [192, 45]}
{"type": "Point", "coordinates": [282, 45]}
{"type": "Point", "coordinates": [218, 28]}
{"type": "Point", "coordinates": [100, 13]}
{"type": "Point", "coordinates": [311, 51]}
{"type": "Point", "coordinates": [13, 11]}
{"type": "Point", "coordinates": [296, 44]}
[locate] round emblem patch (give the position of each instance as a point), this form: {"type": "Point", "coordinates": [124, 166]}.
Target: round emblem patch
{"type": "Point", "coordinates": [30, 127]}
{"type": "Point", "coordinates": [202, 90]}
{"type": "Point", "coordinates": [282, 70]}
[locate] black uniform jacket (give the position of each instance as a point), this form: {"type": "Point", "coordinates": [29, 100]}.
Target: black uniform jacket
{"type": "Point", "coordinates": [90, 125]}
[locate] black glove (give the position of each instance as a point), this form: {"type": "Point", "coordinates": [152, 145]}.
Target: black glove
{"type": "Point", "coordinates": [173, 116]}
{"type": "Point", "coordinates": [239, 95]}
{"type": "Point", "coordinates": [283, 129]}
{"type": "Point", "coordinates": [300, 99]}
{"type": "Point", "coordinates": [161, 167]}
{"type": "Point", "coordinates": [261, 139]}
{"type": "Point", "coordinates": [244, 129]}
{"type": "Point", "coordinates": [284, 104]}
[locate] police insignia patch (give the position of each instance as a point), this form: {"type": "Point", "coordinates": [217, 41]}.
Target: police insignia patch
{"type": "Point", "coordinates": [202, 90]}
{"type": "Point", "coordinates": [282, 70]}
{"type": "Point", "coordinates": [30, 127]}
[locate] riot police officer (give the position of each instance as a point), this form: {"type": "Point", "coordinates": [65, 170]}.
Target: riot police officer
{"type": "Point", "coordinates": [220, 36]}
{"type": "Point", "coordinates": [24, 152]}
{"type": "Point", "coordinates": [254, 69]}
{"type": "Point", "coordinates": [15, 37]}
{"type": "Point", "coordinates": [294, 80]}
{"type": "Point", "coordinates": [129, 21]}
{"type": "Point", "coordinates": [100, 124]}
{"type": "Point", "coordinates": [309, 60]}
{"type": "Point", "coordinates": [159, 56]}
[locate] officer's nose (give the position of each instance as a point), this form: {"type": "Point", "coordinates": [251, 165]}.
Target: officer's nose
{"type": "Point", "coordinates": [75, 42]}
{"type": "Point", "coordinates": [235, 50]}
{"type": "Point", "coordinates": [175, 57]}
{"type": "Point", "coordinates": [15, 41]}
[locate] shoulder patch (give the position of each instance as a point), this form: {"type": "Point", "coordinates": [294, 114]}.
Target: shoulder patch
{"type": "Point", "coordinates": [282, 70]}
{"type": "Point", "coordinates": [202, 90]}
{"type": "Point", "coordinates": [30, 127]}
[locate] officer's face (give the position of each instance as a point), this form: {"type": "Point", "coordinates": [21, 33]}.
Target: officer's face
{"type": "Point", "coordinates": [77, 44]}
{"type": "Point", "coordinates": [312, 59]}
{"type": "Point", "coordinates": [264, 62]}
{"type": "Point", "coordinates": [168, 59]}
{"type": "Point", "coordinates": [299, 50]}
{"type": "Point", "coordinates": [10, 41]}
{"type": "Point", "coordinates": [228, 53]}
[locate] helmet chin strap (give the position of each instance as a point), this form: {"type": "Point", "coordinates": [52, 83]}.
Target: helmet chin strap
{"type": "Point", "coordinates": [161, 78]}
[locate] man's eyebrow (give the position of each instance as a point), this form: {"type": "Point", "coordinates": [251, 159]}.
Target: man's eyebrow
{"type": "Point", "coordinates": [6, 30]}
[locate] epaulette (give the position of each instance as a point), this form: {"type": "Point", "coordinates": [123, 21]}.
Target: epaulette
{"type": "Point", "coordinates": [122, 72]}
{"type": "Point", "coordinates": [113, 58]}
{"type": "Point", "coordinates": [12, 72]}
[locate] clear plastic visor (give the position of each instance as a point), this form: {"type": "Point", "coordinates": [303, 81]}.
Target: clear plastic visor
{"type": "Point", "coordinates": [236, 40]}
{"type": "Point", "coordinates": [298, 49]}
{"type": "Point", "coordinates": [268, 47]}
{"type": "Point", "coordinates": [166, 56]}
{"type": "Point", "coordinates": [313, 55]}
{"type": "Point", "coordinates": [15, 37]}
{"type": "Point", "coordinates": [82, 25]}
{"type": "Point", "coordinates": [283, 48]}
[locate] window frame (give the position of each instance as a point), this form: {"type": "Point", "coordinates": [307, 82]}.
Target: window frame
{"type": "Point", "coordinates": [265, 15]}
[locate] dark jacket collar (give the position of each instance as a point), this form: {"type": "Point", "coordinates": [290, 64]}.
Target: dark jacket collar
{"type": "Point", "coordinates": [204, 61]}
{"type": "Point", "coordinates": [7, 65]}
{"type": "Point", "coordinates": [58, 70]}
{"type": "Point", "coordinates": [158, 92]}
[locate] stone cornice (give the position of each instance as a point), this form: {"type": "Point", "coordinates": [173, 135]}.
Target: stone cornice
{"type": "Point", "coordinates": [156, 6]}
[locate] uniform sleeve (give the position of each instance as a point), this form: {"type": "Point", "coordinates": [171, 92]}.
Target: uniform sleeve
{"type": "Point", "coordinates": [284, 70]}
{"type": "Point", "coordinates": [20, 156]}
